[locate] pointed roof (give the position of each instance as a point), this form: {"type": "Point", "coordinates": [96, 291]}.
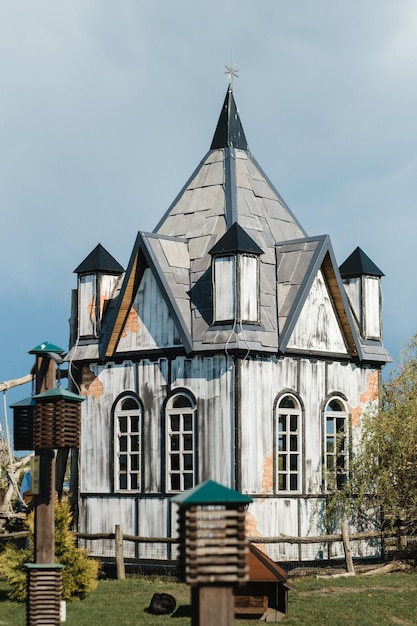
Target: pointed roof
{"type": "Point", "coordinates": [99, 260]}
{"type": "Point", "coordinates": [168, 258]}
{"type": "Point", "coordinates": [298, 263]}
{"type": "Point", "coordinates": [235, 240]}
{"type": "Point", "coordinates": [228, 204]}
{"type": "Point", "coordinates": [58, 393]}
{"type": "Point", "coordinates": [229, 132]}
{"type": "Point", "coordinates": [46, 348]}
{"type": "Point", "coordinates": [211, 492]}
{"type": "Point", "coordinates": [229, 186]}
{"type": "Point", "coordinates": [359, 264]}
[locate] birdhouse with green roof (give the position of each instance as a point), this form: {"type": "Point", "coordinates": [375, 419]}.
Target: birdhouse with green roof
{"type": "Point", "coordinates": [214, 547]}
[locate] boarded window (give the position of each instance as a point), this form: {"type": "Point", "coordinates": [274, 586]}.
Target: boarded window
{"type": "Point", "coordinates": [127, 445]}
{"type": "Point", "coordinates": [372, 308]}
{"type": "Point", "coordinates": [224, 287]}
{"type": "Point", "coordinates": [87, 305]}
{"type": "Point", "coordinates": [181, 448]}
{"type": "Point", "coordinates": [288, 457]}
{"type": "Point", "coordinates": [248, 288]}
{"type": "Point", "coordinates": [236, 288]}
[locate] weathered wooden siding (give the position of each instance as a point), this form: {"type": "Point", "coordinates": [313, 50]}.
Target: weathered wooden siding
{"type": "Point", "coordinates": [100, 515]}
{"type": "Point", "coordinates": [270, 517]}
{"type": "Point", "coordinates": [317, 327]}
{"type": "Point", "coordinates": [149, 324]}
{"type": "Point", "coordinates": [312, 390]}
{"type": "Point", "coordinates": [259, 387]}
{"type": "Point", "coordinates": [152, 390]}
{"type": "Point", "coordinates": [210, 380]}
{"type": "Point", "coordinates": [100, 387]}
{"type": "Point", "coordinates": [359, 385]}
{"type": "Point", "coordinates": [153, 521]}
{"type": "Point", "coordinates": [313, 382]}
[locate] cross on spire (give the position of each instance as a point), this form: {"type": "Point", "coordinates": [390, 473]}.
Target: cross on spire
{"type": "Point", "coordinates": [231, 72]}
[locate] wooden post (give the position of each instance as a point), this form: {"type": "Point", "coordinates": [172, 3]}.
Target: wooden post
{"type": "Point", "coordinates": [44, 502]}
{"type": "Point", "coordinates": [120, 561]}
{"type": "Point", "coordinates": [346, 544]}
{"type": "Point", "coordinates": [212, 605]}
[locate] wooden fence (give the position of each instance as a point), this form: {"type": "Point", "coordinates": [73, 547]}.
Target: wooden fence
{"type": "Point", "coordinates": [391, 543]}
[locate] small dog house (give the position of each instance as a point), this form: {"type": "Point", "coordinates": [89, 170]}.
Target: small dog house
{"type": "Point", "coordinates": [266, 592]}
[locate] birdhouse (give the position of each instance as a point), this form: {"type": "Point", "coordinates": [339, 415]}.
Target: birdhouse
{"type": "Point", "coordinates": [44, 585]}
{"type": "Point", "coordinates": [57, 421]}
{"type": "Point", "coordinates": [214, 547]}
{"type": "Point", "coordinates": [23, 423]}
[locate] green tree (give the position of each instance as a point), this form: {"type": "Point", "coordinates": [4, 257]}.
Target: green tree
{"type": "Point", "coordinates": [383, 471]}
{"type": "Point", "coordinates": [80, 573]}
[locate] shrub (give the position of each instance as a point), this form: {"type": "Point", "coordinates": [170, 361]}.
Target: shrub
{"type": "Point", "coordinates": [80, 573]}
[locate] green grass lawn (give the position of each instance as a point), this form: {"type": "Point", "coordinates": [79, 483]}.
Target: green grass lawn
{"type": "Point", "coordinates": [381, 600]}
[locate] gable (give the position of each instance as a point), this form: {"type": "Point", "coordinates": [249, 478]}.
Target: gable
{"type": "Point", "coordinates": [149, 324]}
{"type": "Point", "coordinates": [317, 328]}
{"type": "Point", "coordinates": [313, 309]}
{"type": "Point", "coordinates": [149, 309]}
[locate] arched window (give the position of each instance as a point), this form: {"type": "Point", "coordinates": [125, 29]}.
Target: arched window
{"type": "Point", "coordinates": [336, 444]}
{"type": "Point", "coordinates": [127, 444]}
{"type": "Point", "coordinates": [288, 466]}
{"type": "Point", "coordinates": [181, 445]}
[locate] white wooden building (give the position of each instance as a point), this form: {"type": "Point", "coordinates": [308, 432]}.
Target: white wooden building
{"type": "Point", "coordinates": [232, 348]}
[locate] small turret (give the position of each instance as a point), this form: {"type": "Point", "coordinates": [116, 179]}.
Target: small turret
{"type": "Point", "coordinates": [362, 281]}
{"type": "Point", "coordinates": [98, 276]}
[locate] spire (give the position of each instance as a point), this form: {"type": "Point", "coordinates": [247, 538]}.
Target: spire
{"type": "Point", "coordinates": [229, 132]}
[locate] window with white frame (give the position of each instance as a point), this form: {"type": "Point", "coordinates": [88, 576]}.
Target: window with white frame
{"type": "Point", "coordinates": [336, 444]}
{"type": "Point", "coordinates": [181, 444]}
{"type": "Point", "coordinates": [288, 467]}
{"type": "Point", "coordinates": [127, 444]}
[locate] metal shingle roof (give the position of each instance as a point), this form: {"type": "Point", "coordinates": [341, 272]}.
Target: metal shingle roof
{"type": "Point", "coordinates": [229, 188]}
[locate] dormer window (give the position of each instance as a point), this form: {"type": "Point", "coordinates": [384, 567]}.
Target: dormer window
{"type": "Point", "coordinates": [235, 278]}
{"type": "Point", "coordinates": [236, 289]}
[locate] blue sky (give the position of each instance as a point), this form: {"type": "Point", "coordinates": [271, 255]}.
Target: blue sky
{"type": "Point", "coordinates": [108, 106]}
